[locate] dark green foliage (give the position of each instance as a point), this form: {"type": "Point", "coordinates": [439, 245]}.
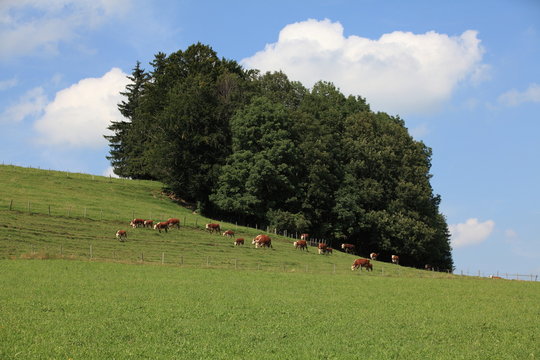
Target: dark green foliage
{"type": "Point", "coordinates": [261, 149]}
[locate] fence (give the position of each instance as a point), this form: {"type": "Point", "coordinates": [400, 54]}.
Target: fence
{"type": "Point", "coordinates": [500, 275]}
{"type": "Point", "coordinates": [93, 213]}
{"type": "Point", "coordinates": [99, 214]}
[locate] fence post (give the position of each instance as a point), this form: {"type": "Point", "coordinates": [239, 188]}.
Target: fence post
{"type": "Point", "coordinates": [10, 205]}
{"type": "Point", "coordinates": [61, 250]}
{"type": "Point", "coordinates": [142, 257]}
{"type": "Point", "coordinates": [208, 261]}
{"type": "Point", "coordinates": [91, 252]}
{"type": "Point", "coordinates": [181, 260]}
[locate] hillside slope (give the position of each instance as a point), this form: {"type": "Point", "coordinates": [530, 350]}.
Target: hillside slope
{"type": "Point", "coordinates": [51, 214]}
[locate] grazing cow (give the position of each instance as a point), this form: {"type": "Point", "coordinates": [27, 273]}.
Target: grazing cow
{"type": "Point", "coordinates": [349, 248]}
{"type": "Point", "coordinates": [262, 241]}
{"type": "Point", "coordinates": [362, 263]}
{"type": "Point", "coordinates": [239, 241]}
{"type": "Point", "coordinates": [149, 223]}
{"type": "Point", "coordinates": [228, 233]}
{"type": "Point", "coordinates": [121, 235]}
{"type": "Point", "coordinates": [136, 223]}
{"type": "Point", "coordinates": [395, 259]}
{"type": "Point", "coordinates": [174, 222]}
{"type": "Point", "coordinates": [322, 248]}
{"type": "Point", "coordinates": [301, 244]}
{"type": "Point", "coordinates": [213, 227]}
{"type": "Point", "coordinates": [328, 250]}
{"type": "Point", "coordinates": [494, 277]}
{"type": "Point", "coordinates": [304, 236]}
{"type": "Point", "coordinates": [373, 256]}
{"type": "Point", "coordinates": [163, 225]}
{"type": "Point", "coordinates": [428, 267]}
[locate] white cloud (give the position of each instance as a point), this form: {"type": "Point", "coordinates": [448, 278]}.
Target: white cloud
{"type": "Point", "coordinates": [471, 232]}
{"type": "Point", "coordinates": [400, 72]}
{"type": "Point", "coordinates": [31, 103]}
{"type": "Point", "coordinates": [28, 26]}
{"type": "Point", "coordinates": [109, 172]}
{"type": "Point", "coordinates": [515, 97]}
{"type": "Point", "coordinates": [8, 84]}
{"type": "Point", "coordinates": [79, 115]}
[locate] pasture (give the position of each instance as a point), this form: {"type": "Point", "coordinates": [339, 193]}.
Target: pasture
{"type": "Point", "coordinates": [70, 290]}
{"type": "Point", "coordinates": [60, 309]}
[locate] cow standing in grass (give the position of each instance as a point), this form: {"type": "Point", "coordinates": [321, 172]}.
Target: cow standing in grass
{"type": "Point", "coordinates": [239, 241]}
{"type": "Point", "coordinates": [349, 248]}
{"type": "Point", "coordinates": [322, 248]}
{"type": "Point", "coordinates": [362, 263]}
{"type": "Point", "coordinates": [262, 241]}
{"type": "Point", "coordinates": [395, 259]}
{"type": "Point", "coordinates": [163, 225]}
{"type": "Point", "coordinates": [213, 228]}
{"type": "Point", "coordinates": [149, 223]}
{"type": "Point", "coordinates": [301, 244]}
{"type": "Point", "coordinates": [228, 233]}
{"type": "Point", "coordinates": [173, 222]}
{"type": "Point", "coordinates": [373, 256]}
{"type": "Point", "coordinates": [121, 235]}
{"type": "Point", "coordinates": [137, 223]}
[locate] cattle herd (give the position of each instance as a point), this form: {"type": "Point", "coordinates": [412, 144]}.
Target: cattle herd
{"type": "Point", "coordinates": [260, 241]}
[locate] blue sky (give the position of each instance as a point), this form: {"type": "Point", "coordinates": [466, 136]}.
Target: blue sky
{"type": "Point", "coordinates": [464, 76]}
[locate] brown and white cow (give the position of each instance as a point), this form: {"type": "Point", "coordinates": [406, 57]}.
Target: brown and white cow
{"type": "Point", "coordinates": [174, 222]}
{"type": "Point", "coordinates": [149, 223]}
{"type": "Point", "coordinates": [362, 263]}
{"type": "Point", "coordinates": [395, 259]}
{"type": "Point", "coordinates": [136, 223]}
{"type": "Point", "coordinates": [300, 244]}
{"type": "Point", "coordinates": [239, 241]}
{"type": "Point", "coordinates": [322, 248]}
{"type": "Point", "coordinates": [262, 241]}
{"type": "Point", "coordinates": [349, 248]}
{"type": "Point", "coordinates": [304, 236]}
{"type": "Point", "coordinates": [228, 233]}
{"type": "Point", "coordinates": [121, 235]}
{"type": "Point", "coordinates": [163, 225]}
{"type": "Point", "coordinates": [428, 267]}
{"type": "Point", "coordinates": [328, 251]}
{"type": "Point", "coordinates": [373, 256]}
{"type": "Point", "coordinates": [213, 227]}
{"type": "Point", "coordinates": [494, 277]}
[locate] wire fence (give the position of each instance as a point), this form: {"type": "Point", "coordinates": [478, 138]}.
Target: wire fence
{"type": "Point", "coordinates": [98, 214]}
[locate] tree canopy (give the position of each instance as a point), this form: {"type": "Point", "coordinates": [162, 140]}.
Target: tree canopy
{"type": "Point", "coordinates": [261, 149]}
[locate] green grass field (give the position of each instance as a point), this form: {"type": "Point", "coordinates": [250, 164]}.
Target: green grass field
{"type": "Point", "coordinates": [61, 309]}
{"type": "Point", "coordinates": [188, 294]}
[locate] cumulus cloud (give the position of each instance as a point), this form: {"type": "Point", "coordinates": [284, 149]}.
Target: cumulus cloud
{"type": "Point", "coordinates": [28, 26]}
{"type": "Point", "coordinates": [31, 103]}
{"type": "Point", "coordinates": [515, 97]}
{"type": "Point", "coordinates": [471, 232]}
{"type": "Point", "coordinates": [400, 72]}
{"type": "Point", "coordinates": [79, 115]}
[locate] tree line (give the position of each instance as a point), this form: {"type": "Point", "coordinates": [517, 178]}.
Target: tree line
{"type": "Point", "coordinates": [262, 149]}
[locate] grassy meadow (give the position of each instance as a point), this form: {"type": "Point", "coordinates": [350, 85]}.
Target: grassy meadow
{"type": "Point", "coordinates": [70, 290]}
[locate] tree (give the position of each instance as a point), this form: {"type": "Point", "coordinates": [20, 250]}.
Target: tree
{"type": "Point", "coordinates": [259, 176]}
{"type": "Point", "coordinates": [126, 143]}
